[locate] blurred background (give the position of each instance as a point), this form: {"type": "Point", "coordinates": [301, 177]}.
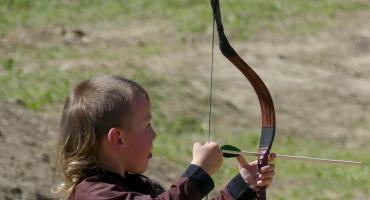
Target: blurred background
{"type": "Point", "coordinates": [314, 57]}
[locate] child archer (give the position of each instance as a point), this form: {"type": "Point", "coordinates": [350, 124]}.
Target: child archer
{"type": "Point", "coordinates": [106, 142]}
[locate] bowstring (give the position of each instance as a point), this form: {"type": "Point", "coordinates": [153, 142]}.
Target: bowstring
{"type": "Point", "coordinates": [211, 84]}
{"type": "Point", "coordinates": [211, 81]}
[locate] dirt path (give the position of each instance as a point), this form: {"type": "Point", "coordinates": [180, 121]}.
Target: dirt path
{"type": "Point", "coordinates": [26, 160]}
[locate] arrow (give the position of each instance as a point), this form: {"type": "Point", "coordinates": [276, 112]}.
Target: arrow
{"type": "Point", "coordinates": [230, 151]}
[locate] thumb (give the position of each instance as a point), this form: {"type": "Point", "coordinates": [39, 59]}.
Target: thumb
{"type": "Point", "coordinates": [242, 163]}
{"type": "Point", "coordinates": [272, 157]}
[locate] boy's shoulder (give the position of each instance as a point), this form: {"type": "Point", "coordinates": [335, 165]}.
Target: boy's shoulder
{"type": "Point", "coordinates": [98, 185]}
{"type": "Point", "coordinates": [156, 186]}
{"type": "Point", "coordinates": [109, 184]}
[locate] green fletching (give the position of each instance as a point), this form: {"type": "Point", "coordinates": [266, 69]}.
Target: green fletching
{"type": "Point", "coordinates": [230, 148]}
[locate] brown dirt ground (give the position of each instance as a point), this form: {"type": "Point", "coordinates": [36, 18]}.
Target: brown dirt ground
{"type": "Point", "coordinates": [320, 84]}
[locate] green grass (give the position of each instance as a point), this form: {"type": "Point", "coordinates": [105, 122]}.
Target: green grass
{"type": "Point", "coordinates": [294, 179]}
{"type": "Point", "coordinates": [344, 182]}
{"type": "Point", "coordinates": [242, 18]}
{"type": "Point", "coordinates": [35, 89]}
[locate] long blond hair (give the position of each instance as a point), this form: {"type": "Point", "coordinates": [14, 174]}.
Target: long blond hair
{"type": "Point", "coordinates": [93, 107]}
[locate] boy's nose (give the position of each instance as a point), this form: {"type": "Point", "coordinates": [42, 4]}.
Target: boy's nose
{"type": "Point", "coordinates": [153, 133]}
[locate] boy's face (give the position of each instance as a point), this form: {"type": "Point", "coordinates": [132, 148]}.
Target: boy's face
{"type": "Point", "coordinates": [139, 141]}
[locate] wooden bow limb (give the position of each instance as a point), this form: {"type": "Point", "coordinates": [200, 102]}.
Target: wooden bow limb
{"type": "Point", "coordinates": [303, 158]}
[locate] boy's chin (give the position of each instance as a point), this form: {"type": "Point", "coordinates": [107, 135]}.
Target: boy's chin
{"type": "Point", "coordinates": [139, 170]}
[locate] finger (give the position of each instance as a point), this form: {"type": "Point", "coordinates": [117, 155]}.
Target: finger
{"type": "Point", "coordinates": [265, 176]}
{"type": "Point", "coordinates": [268, 168]}
{"type": "Point", "coordinates": [213, 143]}
{"type": "Point", "coordinates": [272, 157]}
{"type": "Point", "coordinates": [265, 182]}
{"type": "Point", "coordinates": [197, 144]}
{"type": "Point", "coordinates": [254, 163]}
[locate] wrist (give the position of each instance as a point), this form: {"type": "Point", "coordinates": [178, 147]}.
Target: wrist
{"type": "Point", "coordinates": [200, 178]}
{"type": "Point", "coordinates": [248, 178]}
{"type": "Point", "coordinates": [240, 189]}
{"type": "Point", "coordinates": [200, 165]}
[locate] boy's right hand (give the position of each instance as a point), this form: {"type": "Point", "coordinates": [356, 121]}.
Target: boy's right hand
{"type": "Point", "coordinates": [208, 156]}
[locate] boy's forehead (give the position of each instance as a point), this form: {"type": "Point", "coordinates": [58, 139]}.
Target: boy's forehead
{"type": "Point", "coordinates": [141, 106]}
{"type": "Point", "coordinates": [140, 100]}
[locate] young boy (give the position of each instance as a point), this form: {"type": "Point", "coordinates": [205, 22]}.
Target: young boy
{"type": "Point", "coordinates": [106, 142]}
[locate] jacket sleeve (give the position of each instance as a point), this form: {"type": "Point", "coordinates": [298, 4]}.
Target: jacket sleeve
{"type": "Point", "coordinates": [194, 184]}
{"type": "Point", "coordinates": [236, 189]}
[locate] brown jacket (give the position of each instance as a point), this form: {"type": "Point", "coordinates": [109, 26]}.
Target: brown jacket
{"type": "Point", "coordinates": [194, 184]}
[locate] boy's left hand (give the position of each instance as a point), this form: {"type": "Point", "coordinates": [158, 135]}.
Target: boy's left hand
{"type": "Point", "coordinates": [249, 172]}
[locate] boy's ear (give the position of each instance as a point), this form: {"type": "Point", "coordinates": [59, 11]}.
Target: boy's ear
{"type": "Point", "coordinates": [115, 137]}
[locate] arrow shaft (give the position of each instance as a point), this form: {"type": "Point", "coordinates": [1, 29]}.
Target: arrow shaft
{"type": "Point", "coordinates": [302, 158]}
